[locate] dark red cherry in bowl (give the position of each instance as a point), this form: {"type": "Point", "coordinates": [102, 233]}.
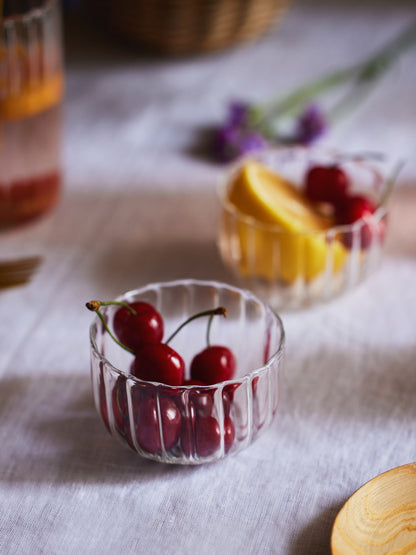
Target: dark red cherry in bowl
{"type": "Point", "coordinates": [229, 433]}
{"type": "Point", "coordinates": [208, 435]}
{"type": "Point", "coordinates": [157, 362]}
{"type": "Point", "coordinates": [326, 184]}
{"type": "Point", "coordinates": [359, 208]}
{"type": "Point", "coordinates": [103, 402]}
{"type": "Point", "coordinates": [193, 382]}
{"type": "Point", "coordinates": [213, 365]}
{"type": "Point", "coordinates": [121, 410]}
{"type": "Point", "coordinates": [120, 403]}
{"type": "Point", "coordinates": [202, 401]}
{"type": "Point", "coordinates": [143, 326]}
{"type": "Point", "coordinates": [149, 428]}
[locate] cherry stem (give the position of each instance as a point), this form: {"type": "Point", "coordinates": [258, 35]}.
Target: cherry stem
{"type": "Point", "coordinates": [107, 329]}
{"type": "Point", "coordinates": [221, 311]}
{"type": "Point", "coordinates": [95, 305]}
{"type": "Point", "coordinates": [209, 330]}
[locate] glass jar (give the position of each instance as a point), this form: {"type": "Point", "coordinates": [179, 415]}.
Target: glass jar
{"type": "Point", "coordinates": [31, 91]}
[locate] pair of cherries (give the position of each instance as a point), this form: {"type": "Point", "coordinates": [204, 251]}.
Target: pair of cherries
{"type": "Point", "coordinates": [140, 327]}
{"type": "Point", "coordinates": [331, 185]}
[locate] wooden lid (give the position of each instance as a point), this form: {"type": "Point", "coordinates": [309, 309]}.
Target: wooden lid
{"type": "Point", "coordinates": [380, 518]}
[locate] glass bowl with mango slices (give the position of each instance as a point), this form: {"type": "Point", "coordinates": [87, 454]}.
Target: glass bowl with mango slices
{"type": "Point", "coordinates": [300, 225]}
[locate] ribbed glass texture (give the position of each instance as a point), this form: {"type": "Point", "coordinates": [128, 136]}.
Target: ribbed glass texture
{"type": "Point", "coordinates": [293, 269]}
{"type": "Point", "coordinates": [31, 91]}
{"type": "Point", "coordinates": [192, 424]}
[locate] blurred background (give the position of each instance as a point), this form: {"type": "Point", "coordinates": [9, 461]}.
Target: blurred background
{"type": "Point", "coordinates": [174, 66]}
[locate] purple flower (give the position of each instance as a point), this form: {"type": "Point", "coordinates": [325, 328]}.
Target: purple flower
{"type": "Point", "coordinates": [251, 141]}
{"type": "Point", "coordinates": [237, 136]}
{"type": "Point", "coordinates": [311, 125]}
{"type": "Point", "coordinates": [238, 113]}
{"type": "Point", "coordinates": [224, 137]}
{"type": "Point", "coordinates": [231, 141]}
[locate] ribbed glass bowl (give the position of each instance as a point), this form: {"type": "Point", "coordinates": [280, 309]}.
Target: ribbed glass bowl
{"type": "Point", "coordinates": [292, 269]}
{"type": "Point", "coordinates": [192, 424]}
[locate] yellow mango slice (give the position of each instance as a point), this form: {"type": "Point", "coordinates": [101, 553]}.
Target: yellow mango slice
{"type": "Point", "coordinates": [290, 240]}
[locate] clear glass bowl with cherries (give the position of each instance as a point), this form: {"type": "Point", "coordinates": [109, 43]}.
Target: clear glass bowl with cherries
{"type": "Point", "coordinates": [301, 225]}
{"type": "Point", "coordinates": [186, 372]}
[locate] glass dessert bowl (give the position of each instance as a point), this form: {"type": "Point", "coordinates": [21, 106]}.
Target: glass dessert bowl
{"type": "Point", "coordinates": [191, 424]}
{"type": "Point", "coordinates": [293, 241]}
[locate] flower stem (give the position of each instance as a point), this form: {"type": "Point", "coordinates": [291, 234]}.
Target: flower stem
{"type": "Point", "coordinates": [213, 312]}
{"type": "Point", "coordinates": [364, 72]}
{"type": "Point", "coordinates": [372, 70]}
{"type": "Point", "coordinates": [297, 99]}
{"type": "Point", "coordinates": [350, 101]}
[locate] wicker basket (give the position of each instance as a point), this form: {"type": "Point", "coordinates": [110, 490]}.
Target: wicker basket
{"type": "Point", "coordinates": [177, 27]}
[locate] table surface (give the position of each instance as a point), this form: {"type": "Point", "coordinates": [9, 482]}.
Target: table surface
{"type": "Point", "coordinates": [140, 205]}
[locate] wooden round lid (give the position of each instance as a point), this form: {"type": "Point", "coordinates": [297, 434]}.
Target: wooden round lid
{"type": "Point", "coordinates": [380, 517]}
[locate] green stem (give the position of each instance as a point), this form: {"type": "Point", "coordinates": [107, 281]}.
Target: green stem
{"type": "Point", "coordinates": [95, 305]}
{"type": "Point", "coordinates": [213, 312]}
{"type": "Point", "coordinates": [107, 329]}
{"type": "Point", "coordinates": [209, 330]}
{"type": "Point", "coordinates": [372, 70]}
{"type": "Point", "coordinates": [350, 101]}
{"type": "Point", "coordinates": [366, 71]}
{"type": "Point", "coordinates": [297, 99]}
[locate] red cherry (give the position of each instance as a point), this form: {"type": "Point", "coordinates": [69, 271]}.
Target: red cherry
{"type": "Point", "coordinates": [213, 365]}
{"type": "Point", "coordinates": [208, 435]}
{"type": "Point", "coordinates": [119, 402]}
{"type": "Point", "coordinates": [147, 423]}
{"type": "Point", "coordinates": [326, 184]}
{"type": "Point", "coordinates": [103, 399]}
{"type": "Point", "coordinates": [135, 330]}
{"type": "Point", "coordinates": [315, 183]}
{"type": "Point", "coordinates": [229, 391]}
{"type": "Point", "coordinates": [356, 208]}
{"type": "Point", "coordinates": [226, 401]}
{"type": "Point", "coordinates": [193, 382]}
{"type": "Point", "coordinates": [229, 433]}
{"type": "Point", "coordinates": [121, 410]}
{"type": "Point", "coordinates": [157, 362]}
{"type": "Point", "coordinates": [202, 402]}
{"type": "Point", "coordinates": [187, 433]}
{"type": "Point", "coordinates": [205, 435]}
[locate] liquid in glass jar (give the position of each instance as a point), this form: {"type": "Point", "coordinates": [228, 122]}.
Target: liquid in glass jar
{"type": "Point", "coordinates": [31, 90]}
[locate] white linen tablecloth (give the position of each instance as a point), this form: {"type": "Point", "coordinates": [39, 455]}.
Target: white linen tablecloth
{"type": "Point", "coordinates": [138, 206]}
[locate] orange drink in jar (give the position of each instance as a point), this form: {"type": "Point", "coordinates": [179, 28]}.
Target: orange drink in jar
{"type": "Point", "coordinates": [31, 91]}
